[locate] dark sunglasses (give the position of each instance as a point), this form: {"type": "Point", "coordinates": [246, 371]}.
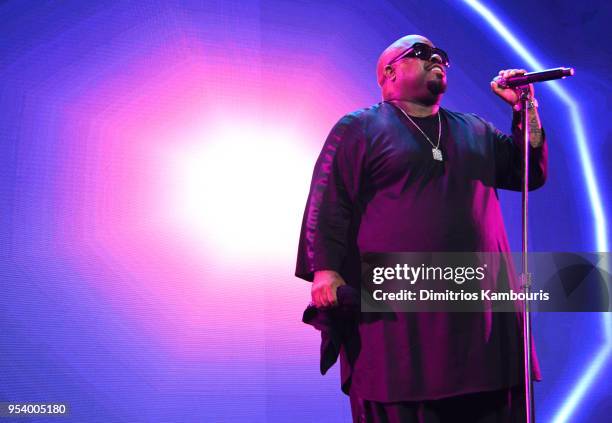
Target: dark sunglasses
{"type": "Point", "coordinates": [424, 52]}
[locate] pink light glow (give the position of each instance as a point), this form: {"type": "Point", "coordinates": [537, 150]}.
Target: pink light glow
{"type": "Point", "coordinates": [188, 177]}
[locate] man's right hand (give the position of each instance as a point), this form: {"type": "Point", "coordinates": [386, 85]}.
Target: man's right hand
{"type": "Point", "coordinates": [324, 287]}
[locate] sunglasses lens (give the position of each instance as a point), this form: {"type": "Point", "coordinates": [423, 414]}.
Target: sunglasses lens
{"type": "Point", "coordinates": [442, 55]}
{"type": "Point", "coordinates": [422, 51]}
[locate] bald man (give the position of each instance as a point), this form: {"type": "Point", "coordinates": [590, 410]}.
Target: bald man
{"type": "Point", "coordinates": [406, 175]}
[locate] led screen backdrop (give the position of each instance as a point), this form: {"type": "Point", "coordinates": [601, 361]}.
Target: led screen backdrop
{"type": "Point", "coordinates": [156, 157]}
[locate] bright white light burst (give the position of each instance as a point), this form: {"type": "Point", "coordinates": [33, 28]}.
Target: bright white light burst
{"type": "Point", "coordinates": [239, 188]}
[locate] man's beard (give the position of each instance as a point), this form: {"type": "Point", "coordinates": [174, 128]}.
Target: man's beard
{"type": "Point", "coordinates": [435, 89]}
{"type": "Point", "coordinates": [436, 86]}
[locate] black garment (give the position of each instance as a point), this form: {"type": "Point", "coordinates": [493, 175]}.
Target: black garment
{"type": "Point", "coordinates": [376, 188]}
{"type": "Point", "coordinates": [501, 406]}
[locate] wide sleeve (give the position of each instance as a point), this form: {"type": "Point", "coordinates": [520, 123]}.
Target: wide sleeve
{"type": "Point", "coordinates": [508, 155]}
{"type": "Point", "coordinates": [332, 199]}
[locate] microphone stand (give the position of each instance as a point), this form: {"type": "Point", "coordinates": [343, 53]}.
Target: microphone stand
{"type": "Point", "coordinates": [520, 82]}
{"type": "Point", "coordinates": [525, 275]}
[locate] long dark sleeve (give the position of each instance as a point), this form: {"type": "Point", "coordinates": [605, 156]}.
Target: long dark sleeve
{"type": "Point", "coordinates": [508, 155]}
{"type": "Point", "coordinates": [324, 235]}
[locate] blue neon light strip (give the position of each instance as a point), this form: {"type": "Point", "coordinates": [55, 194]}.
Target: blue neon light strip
{"type": "Point", "coordinates": [578, 392]}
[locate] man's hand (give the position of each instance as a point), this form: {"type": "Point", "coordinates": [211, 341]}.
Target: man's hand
{"type": "Point", "coordinates": [324, 287]}
{"type": "Point", "coordinates": [509, 95]}
{"type": "Point", "coordinates": [512, 97]}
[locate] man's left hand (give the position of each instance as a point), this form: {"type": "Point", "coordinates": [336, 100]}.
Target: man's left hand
{"type": "Point", "coordinates": [509, 95]}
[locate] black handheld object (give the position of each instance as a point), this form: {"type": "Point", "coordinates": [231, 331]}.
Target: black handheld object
{"type": "Point", "coordinates": [531, 77]}
{"type": "Point", "coordinates": [337, 324]}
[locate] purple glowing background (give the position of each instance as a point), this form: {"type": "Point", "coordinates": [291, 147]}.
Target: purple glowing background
{"type": "Point", "coordinates": [155, 174]}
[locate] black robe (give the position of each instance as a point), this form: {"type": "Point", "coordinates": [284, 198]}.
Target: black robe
{"type": "Point", "coordinates": [376, 188]}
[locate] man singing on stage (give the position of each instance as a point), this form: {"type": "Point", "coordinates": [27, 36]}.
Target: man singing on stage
{"type": "Point", "coordinates": [406, 175]}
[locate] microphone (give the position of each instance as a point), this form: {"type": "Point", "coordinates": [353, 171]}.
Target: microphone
{"type": "Point", "coordinates": [528, 78]}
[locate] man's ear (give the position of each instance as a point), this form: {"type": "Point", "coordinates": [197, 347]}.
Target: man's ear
{"type": "Point", "coordinates": [389, 72]}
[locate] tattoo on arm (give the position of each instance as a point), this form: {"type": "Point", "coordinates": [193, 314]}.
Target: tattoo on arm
{"type": "Point", "coordinates": [535, 127]}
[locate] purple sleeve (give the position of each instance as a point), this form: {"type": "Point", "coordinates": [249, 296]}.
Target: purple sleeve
{"type": "Point", "coordinates": [508, 154]}
{"type": "Point", "coordinates": [330, 207]}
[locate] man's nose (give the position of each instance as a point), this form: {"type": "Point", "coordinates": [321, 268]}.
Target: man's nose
{"type": "Point", "coordinates": [436, 58]}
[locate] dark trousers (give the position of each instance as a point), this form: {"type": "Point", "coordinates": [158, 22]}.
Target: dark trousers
{"type": "Point", "coordinates": [502, 406]}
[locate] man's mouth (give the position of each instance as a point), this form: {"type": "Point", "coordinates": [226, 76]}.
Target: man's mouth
{"type": "Point", "coordinates": [437, 67]}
